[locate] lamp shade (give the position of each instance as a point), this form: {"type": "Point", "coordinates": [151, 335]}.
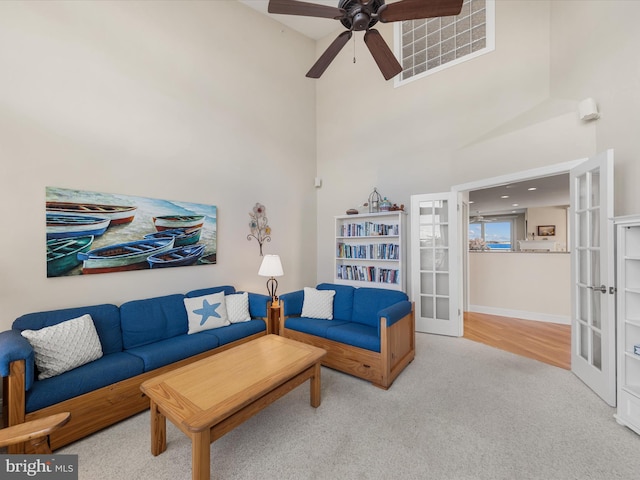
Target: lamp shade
{"type": "Point", "coordinates": [271, 266]}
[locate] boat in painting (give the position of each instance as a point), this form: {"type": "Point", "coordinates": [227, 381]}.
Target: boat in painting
{"type": "Point", "coordinates": [168, 222]}
{"type": "Point", "coordinates": [176, 257]}
{"type": "Point", "coordinates": [123, 256]}
{"type": "Point", "coordinates": [118, 214]}
{"type": "Point", "coordinates": [62, 225]}
{"type": "Point", "coordinates": [182, 236]}
{"type": "Point", "coordinates": [62, 253]}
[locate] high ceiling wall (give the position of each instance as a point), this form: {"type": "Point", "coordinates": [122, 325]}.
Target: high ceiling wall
{"type": "Point", "coordinates": [169, 100]}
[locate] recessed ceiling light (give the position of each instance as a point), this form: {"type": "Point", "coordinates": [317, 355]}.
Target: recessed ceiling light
{"type": "Point", "coordinates": [531, 189]}
{"type": "Point", "coordinates": [514, 204]}
{"type": "Point", "coordinates": [504, 196]}
{"type": "Point", "coordinates": [471, 201]}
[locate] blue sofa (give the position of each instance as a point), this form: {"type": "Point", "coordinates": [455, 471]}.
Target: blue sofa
{"type": "Point", "coordinates": [139, 340]}
{"type": "Point", "coordinates": [371, 335]}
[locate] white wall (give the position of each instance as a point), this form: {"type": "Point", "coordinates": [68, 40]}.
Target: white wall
{"type": "Point", "coordinates": [556, 216]}
{"type": "Point", "coordinates": [425, 136]}
{"type": "Point", "coordinates": [112, 96]}
{"type": "Point", "coordinates": [508, 111]}
{"type": "Point", "coordinates": [203, 102]}
{"type": "Point", "coordinates": [533, 286]}
{"type": "Point", "coordinates": [595, 54]}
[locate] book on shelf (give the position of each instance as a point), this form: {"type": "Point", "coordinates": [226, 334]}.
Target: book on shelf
{"type": "Point", "coordinates": [367, 274]}
{"type": "Point", "coordinates": [381, 251]}
{"type": "Point", "coordinates": [368, 229]}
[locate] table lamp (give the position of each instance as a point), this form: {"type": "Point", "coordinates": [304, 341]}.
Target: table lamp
{"type": "Point", "coordinates": [271, 267]}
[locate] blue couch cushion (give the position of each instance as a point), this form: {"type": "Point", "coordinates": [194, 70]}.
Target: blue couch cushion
{"type": "Point", "coordinates": [292, 302]}
{"type": "Point", "coordinates": [171, 350]}
{"type": "Point", "coordinates": [152, 319]}
{"type": "Point", "coordinates": [236, 331]}
{"type": "Point", "coordinates": [356, 334]}
{"type": "Point", "coordinates": [342, 301]}
{"type": "Point", "coordinates": [258, 304]}
{"type": "Point", "coordinates": [367, 302]}
{"type": "Point", "coordinates": [312, 326]}
{"type": "Point", "coordinates": [106, 318]}
{"type": "Point", "coordinates": [105, 371]}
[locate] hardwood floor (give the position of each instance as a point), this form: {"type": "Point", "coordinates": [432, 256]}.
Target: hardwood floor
{"type": "Point", "coordinates": [543, 341]}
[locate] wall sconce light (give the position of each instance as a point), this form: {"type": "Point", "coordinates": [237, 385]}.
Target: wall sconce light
{"type": "Point", "coordinates": [588, 110]}
{"type": "Point", "coordinates": [271, 267]}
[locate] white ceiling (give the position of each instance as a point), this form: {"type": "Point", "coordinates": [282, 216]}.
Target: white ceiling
{"type": "Point", "coordinates": [314, 28]}
{"type": "Point", "coordinates": [549, 192]}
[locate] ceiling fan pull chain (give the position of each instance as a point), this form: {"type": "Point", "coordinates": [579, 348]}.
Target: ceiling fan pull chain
{"type": "Point", "coordinates": [354, 49]}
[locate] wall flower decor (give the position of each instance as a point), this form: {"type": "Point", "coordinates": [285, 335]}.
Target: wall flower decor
{"type": "Point", "coordinates": [259, 225]}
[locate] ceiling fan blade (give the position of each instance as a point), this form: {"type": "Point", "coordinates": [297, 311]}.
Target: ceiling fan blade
{"type": "Point", "coordinates": [329, 54]}
{"type": "Point", "coordinates": [382, 54]}
{"type": "Point", "coordinates": [415, 9]}
{"type": "Point", "coordinates": [294, 7]}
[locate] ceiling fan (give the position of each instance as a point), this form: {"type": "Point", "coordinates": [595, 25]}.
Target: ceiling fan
{"type": "Point", "coordinates": [358, 15]}
{"type": "Point", "coordinates": [481, 219]}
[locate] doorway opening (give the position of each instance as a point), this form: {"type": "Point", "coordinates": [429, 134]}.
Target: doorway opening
{"type": "Point", "coordinates": [498, 308]}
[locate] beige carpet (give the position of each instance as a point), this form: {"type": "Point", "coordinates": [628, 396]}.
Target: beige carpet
{"type": "Point", "coordinates": [461, 410]}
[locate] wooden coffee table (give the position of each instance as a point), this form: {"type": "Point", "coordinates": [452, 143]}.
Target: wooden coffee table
{"type": "Point", "coordinates": [212, 396]}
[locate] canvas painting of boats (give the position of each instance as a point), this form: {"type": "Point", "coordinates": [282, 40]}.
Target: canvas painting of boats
{"type": "Point", "coordinates": [126, 233]}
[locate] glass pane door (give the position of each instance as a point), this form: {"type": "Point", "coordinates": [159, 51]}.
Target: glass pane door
{"type": "Point", "coordinates": [593, 310]}
{"type": "Point", "coordinates": [434, 223]}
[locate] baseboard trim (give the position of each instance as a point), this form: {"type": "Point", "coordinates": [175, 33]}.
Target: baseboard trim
{"type": "Point", "coordinates": [505, 312]}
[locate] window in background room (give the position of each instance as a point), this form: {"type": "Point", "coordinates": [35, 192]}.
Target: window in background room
{"type": "Point", "coordinates": [494, 236]}
{"type": "Point", "coordinates": [429, 45]}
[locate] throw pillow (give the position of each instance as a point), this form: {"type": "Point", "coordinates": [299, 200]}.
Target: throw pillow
{"type": "Point", "coordinates": [206, 312]}
{"type": "Point", "coordinates": [65, 346]}
{"type": "Point", "coordinates": [238, 307]}
{"type": "Point", "coordinates": [318, 303]}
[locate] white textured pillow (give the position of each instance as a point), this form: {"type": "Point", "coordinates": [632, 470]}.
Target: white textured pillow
{"type": "Point", "coordinates": [206, 312]}
{"type": "Point", "coordinates": [65, 346]}
{"type": "Point", "coordinates": [238, 307]}
{"type": "Point", "coordinates": [318, 303]}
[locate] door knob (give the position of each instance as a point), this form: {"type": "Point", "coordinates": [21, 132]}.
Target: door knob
{"type": "Point", "coordinates": [601, 288]}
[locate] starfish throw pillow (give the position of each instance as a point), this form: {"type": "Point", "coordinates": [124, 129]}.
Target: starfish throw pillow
{"type": "Point", "coordinates": [206, 312]}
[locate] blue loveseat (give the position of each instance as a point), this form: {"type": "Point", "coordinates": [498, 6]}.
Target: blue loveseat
{"type": "Point", "coordinates": [371, 334]}
{"type": "Point", "coordinates": [139, 340]}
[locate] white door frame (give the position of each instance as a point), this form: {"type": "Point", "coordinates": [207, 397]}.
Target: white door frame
{"type": "Point", "coordinates": [531, 174]}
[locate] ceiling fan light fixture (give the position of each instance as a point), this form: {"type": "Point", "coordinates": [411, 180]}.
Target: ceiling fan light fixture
{"type": "Point", "coordinates": [361, 21]}
{"type": "Point", "coordinates": [362, 15]}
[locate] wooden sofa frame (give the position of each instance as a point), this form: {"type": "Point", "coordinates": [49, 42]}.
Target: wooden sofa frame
{"type": "Point", "coordinates": [94, 410]}
{"type": "Point", "coordinates": [397, 350]}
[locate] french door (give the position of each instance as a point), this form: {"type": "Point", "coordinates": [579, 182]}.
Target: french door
{"type": "Point", "coordinates": [593, 350]}
{"type": "Point", "coordinates": [435, 259]}
{"type": "Point", "coordinates": [436, 248]}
